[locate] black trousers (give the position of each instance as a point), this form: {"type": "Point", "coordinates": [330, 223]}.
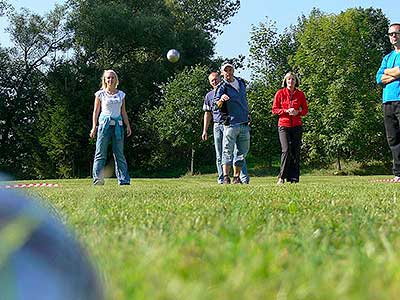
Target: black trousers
{"type": "Point", "coordinates": [391, 114]}
{"type": "Point", "coordinates": [290, 138]}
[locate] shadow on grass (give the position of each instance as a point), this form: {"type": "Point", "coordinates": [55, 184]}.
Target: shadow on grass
{"type": "Point", "coordinates": [350, 168]}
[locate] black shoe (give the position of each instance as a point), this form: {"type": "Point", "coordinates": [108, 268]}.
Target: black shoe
{"type": "Point", "coordinates": [227, 180]}
{"type": "Point", "coordinates": [236, 180]}
{"type": "Point", "coordinates": [125, 183]}
{"type": "Point", "coordinates": [294, 180]}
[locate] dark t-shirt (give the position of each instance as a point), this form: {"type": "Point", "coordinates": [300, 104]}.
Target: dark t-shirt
{"type": "Point", "coordinates": [209, 107]}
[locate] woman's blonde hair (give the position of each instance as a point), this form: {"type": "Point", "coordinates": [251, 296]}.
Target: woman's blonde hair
{"type": "Point", "coordinates": [103, 78]}
{"type": "Point", "coordinates": [288, 74]}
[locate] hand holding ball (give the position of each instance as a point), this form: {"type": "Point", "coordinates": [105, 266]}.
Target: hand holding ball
{"type": "Point", "coordinates": [173, 55]}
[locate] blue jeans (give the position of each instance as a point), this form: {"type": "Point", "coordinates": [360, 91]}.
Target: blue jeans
{"type": "Point", "coordinates": [104, 136]}
{"type": "Point", "coordinates": [218, 136]}
{"type": "Point", "coordinates": [234, 147]}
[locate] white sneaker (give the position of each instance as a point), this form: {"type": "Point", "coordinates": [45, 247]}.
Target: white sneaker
{"type": "Point", "coordinates": [280, 181]}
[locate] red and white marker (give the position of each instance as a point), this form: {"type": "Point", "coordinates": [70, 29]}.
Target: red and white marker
{"type": "Point", "coordinates": [391, 180]}
{"type": "Point", "coordinates": [28, 185]}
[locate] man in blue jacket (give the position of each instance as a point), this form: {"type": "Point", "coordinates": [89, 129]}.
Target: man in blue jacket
{"type": "Point", "coordinates": [212, 114]}
{"type": "Point", "coordinates": [388, 76]}
{"type": "Point", "coordinates": [230, 98]}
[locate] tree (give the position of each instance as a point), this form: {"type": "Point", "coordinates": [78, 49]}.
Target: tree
{"type": "Point", "coordinates": [4, 6]}
{"type": "Point", "coordinates": [207, 15]}
{"type": "Point", "coordinates": [133, 38]}
{"type": "Point", "coordinates": [64, 122]}
{"type": "Point", "coordinates": [337, 57]}
{"type": "Point", "coordinates": [36, 40]}
{"type": "Point", "coordinates": [178, 120]}
{"type": "Point", "coordinates": [269, 61]}
{"type": "Point", "coordinates": [57, 61]}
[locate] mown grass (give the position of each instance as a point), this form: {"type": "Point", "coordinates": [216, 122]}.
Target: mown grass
{"type": "Point", "coordinates": [325, 238]}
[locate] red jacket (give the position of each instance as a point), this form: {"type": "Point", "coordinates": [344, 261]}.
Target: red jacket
{"type": "Point", "coordinates": [283, 101]}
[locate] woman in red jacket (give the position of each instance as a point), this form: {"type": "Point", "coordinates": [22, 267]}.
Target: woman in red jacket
{"type": "Point", "coordinates": [290, 105]}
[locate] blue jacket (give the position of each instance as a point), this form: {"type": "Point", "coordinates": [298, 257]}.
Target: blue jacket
{"type": "Point", "coordinates": [391, 91]}
{"type": "Point", "coordinates": [104, 124]}
{"type": "Point", "coordinates": [236, 109]}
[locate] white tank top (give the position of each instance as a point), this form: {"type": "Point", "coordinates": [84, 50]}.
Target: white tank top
{"type": "Point", "coordinates": [110, 103]}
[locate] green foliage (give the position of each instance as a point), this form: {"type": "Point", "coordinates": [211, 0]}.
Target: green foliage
{"type": "Point", "coordinates": [50, 74]}
{"type": "Point", "coordinates": [269, 55]}
{"type": "Point", "coordinates": [265, 143]}
{"type": "Point", "coordinates": [178, 119]}
{"type": "Point", "coordinates": [65, 122]}
{"type": "Point", "coordinates": [37, 38]}
{"type": "Point", "coordinates": [270, 52]}
{"type": "Point", "coordinates": [20, 101]}
{"type": "Point", "coordinates": [208, 15]}
{"type": "Point", "coordinates": [325, 238]}
{"type": "Point", "coordinates": [4, 7]}
{"type": "Point", "coordinates": [133, 38]}
{"type": "Point", "coordinates": [344, 120]}
{"type": "Point", "coordinates": [23, 89]}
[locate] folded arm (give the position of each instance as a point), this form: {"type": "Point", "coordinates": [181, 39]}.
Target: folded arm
{"type": "Point", "coordinates": [394, 72]}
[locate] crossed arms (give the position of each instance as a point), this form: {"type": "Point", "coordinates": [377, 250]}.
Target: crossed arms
{"type": "Point", "coordinates": [390, 75]}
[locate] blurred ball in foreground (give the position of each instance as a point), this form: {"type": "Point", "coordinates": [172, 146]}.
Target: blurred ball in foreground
{"type": "Point", "coordinates": [173, 55]}
{"type": "Point", "coordinates": [40, 259]}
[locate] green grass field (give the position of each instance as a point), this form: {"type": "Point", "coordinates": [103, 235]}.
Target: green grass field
{"type": "Point", "coordinates": [189, 238]}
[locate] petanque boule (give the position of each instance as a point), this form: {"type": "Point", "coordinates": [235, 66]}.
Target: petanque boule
{"type": "Point", "coordinates": [173, 55]}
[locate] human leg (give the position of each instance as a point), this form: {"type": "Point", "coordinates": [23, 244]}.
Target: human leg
{"type": "Point", "coordinates": [244, 176]}
{"type": "Point", "coordinates": [228, 142]}
{"type": "Point", "coordinates": [100, 156]}
{"type": "Point", "coordinates": [218, 137]}
{"type": "Point", "coordinates": [295, 147]}
{"type": "Point", "coordinates": [284, 140]}
{"type": "Point", "coordinates": [392, 126]}
{"type": "Point", "coordinates": [121, 166]}
{"type": "Point", "coordinates": [242, 148]}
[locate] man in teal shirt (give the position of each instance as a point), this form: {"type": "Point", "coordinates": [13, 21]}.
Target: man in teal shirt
{"type": "Point", "coordinates": [388, 76]}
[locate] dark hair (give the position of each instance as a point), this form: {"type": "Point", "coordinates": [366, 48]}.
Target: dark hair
{"type": "Point", "coordinates": [284, 83]}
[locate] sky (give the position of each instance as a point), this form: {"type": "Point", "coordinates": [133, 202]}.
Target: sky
{"type": "Point", "coordinates": [236, 36]}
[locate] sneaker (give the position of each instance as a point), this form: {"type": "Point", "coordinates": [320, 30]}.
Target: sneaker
{"type": "Point", "coordinates": [294, 180]}
{"type": "Point", "coordinates": [98, 182]}
{"type": "Point", "coordinates": [124, 183]}
{"type": "Point", "coordinates": [236, 180]}
{"type": "Point", "coordinates": [245, 180]}
{"type": "Point", "coordinates": [227, 180]}
{"type": "Point", "coordinates": [280, 181]}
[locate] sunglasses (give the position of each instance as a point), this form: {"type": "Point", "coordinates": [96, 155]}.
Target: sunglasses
{"type": "Point", "coordinates": [394, 33]}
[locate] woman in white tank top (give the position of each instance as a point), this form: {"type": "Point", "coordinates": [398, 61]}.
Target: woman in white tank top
{"type": "Point", "coordinates": [109, 103]}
